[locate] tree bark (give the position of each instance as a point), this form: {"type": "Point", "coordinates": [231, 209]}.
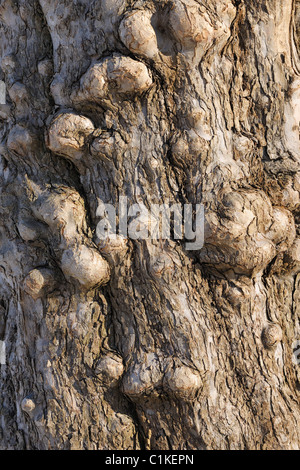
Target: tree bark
{"type": "Point", "coordinates": [143, 344]}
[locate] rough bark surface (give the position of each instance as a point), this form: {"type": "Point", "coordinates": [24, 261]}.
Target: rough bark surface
{"type": "Point", "coordinates": [139, 344]}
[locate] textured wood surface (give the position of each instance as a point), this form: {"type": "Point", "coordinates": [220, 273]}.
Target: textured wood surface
{"type": "Point", "coordinates": [140, 343]}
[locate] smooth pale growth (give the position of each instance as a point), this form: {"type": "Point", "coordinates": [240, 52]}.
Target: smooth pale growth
{"type": "Point", "coordinates": [117, 75]}
{"type": "Point", "coordinates": [114, 244]}
{"type": "Point", "coordinates": [272, 335]}
{"type": "Point", "coordinates": [128, 75]}
{"type": "Point", "coordinates": [28, 405]}
{"type": "Point", "coordinates": [180, 147]}
{"type": "Point", "coordinates": [182, 382]}
{"type": "Point", "coordinates": [189, 26]}
{"type": "Point", "coordinates": [38, 281]}
{"type": "Point", "coordinates": [138, 35]}
{"type": "Point", "coordinates": [244, 232]}
{"type": "Point", "coordinates": [143, 378]}
{"type": "Point", "coordinates": [62, 211]}
{"type": "Point", "coordinates": [93, 84]}
{"type": "Point", "coordinates": [85, 265]}
{"type": "Point", "coordinates": [188, 145]}
{"type": "Point", "coordinates": [68, 134]}
{"type": "Point", "coordinates": [135, 386]}
{"type": "Point", "coordinates": [109, 369]}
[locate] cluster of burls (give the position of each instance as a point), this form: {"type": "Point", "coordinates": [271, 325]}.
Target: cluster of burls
{"type": "Point", "coordinates": [71, 134]}
{"type": "Point", "coordinates": [243, 232]}
{"type": "Point", "coordinates": [189, 26]}
{"type": "Point", "coordinates": [64, 214]}
{"type": "Point", "coordinates": [153, 376]}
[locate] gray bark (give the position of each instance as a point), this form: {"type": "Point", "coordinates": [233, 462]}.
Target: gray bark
{"type": "Point", "coordinates": [139, 343]}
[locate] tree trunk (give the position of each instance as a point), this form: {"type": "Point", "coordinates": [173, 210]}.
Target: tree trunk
{"type": "Point", "coordinates": [142, 343]}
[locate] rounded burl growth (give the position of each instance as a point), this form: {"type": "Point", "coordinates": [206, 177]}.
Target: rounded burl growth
{"type": "Point", "coordinates": [64, 212]}
{"type": "Point", "coordinates": [86, 266]}
{"type": "Point", "coordinates": [68, 135]}
{"type": "Point", "coordinates": [166, 102]}
{"type": "Point", "coordinates": [28, 405]}
{"type": "Point", "coordinates": [39, 282]}
{"type": "Point", "coordinates": [182, 382]}
{"type": "Point", "coordinates": [154, 377]}
{"type": "Point", "coordinates": [189, 26]}
{"type": "Point", "coordinates": [138, 35]}
{"type": "Point", "coordinates": [109, 369]}
{"type": "Point", "coordinates": [271, 336]}
{"type": "Point", "coordinates": [245, 232]}
{"type": "Point", "coordinates": [112, 78]}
